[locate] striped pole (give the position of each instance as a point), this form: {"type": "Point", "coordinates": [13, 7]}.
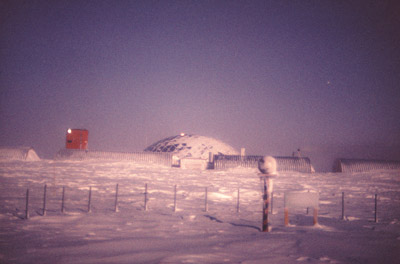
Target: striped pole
{"type": "Point", "coordinates": [265, 208]}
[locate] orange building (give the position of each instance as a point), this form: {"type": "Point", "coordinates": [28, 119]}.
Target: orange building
{"type": "Point", "coordinates": [77, 139]}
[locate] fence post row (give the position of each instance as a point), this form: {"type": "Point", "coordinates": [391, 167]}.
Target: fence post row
{"type": "Point", "coordinates": [268, 202]}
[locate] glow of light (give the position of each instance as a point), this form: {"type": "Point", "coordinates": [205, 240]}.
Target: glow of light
{"type": "Point", "coordinates": [69, 131]}
{"type": "Point", "coordinates": [182, 134]}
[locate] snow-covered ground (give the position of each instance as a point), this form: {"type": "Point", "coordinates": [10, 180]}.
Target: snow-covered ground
{"type": "Point", "coordinates": [191, 234]}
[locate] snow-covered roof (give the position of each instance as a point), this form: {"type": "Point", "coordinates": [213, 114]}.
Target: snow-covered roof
{"type": "Point", "coordinates": [192, 146]}
{"type": "Point", "coordinates": [362, 165]}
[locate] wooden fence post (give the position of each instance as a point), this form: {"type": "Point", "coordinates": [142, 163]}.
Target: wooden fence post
{"type": "Point", "coordinates": [315, 217]}
{"type": "Point", "coordinates": [286, 210]}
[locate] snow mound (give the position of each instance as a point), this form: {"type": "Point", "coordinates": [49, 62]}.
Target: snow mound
{"type": "Point", "coordinates": [18, 153]}
{"type": "Point", "coordinates": [192, 146]}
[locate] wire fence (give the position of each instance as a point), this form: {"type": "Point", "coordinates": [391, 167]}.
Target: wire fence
{"type": "Point", "coordinates": [113, 199]}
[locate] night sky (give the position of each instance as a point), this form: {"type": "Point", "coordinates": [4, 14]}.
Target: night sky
{"type": "Point", "coordinates": [270, 76]}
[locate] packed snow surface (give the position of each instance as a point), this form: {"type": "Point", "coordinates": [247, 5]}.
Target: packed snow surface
{"type": "Point", "coordinates": [185, 232]}
{"type": "Point", "coordinates": [192, 146]}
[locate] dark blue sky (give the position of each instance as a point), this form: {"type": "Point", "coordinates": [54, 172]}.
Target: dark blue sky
{"type": "Point", "coordinates": [270, 76]}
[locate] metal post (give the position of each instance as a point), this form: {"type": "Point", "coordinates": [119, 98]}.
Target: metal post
{"type": "Point", "coordinates": [116, 199]}
{"type": "Point", "coordinates": [238, 201]}
{"type": "Point", "coordinates": [145, 197]}
{"type": "Point", "coordinates": [175, 198]}
{"type": "Point", "coordinates": [62, 200]}
{"type": "Point", "coordinates": [27, 205]}
{"type": "Point", "coordinates": [44, 200]}
{"type": "Point", "coordinates": [376, 208]}
{"type": "Point", "coordinates": [342, 205]}
{"type": "Point", "coordinates": [206, 200]}
{"type": "Point", "coordinates": [90, 199]}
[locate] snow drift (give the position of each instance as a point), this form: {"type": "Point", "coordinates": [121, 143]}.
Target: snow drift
{"type": "Point", "coordinates": [18, 153]}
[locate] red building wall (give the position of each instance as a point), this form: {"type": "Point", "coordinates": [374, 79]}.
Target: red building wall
{"type": "Point", "coordinates": [77, 139]}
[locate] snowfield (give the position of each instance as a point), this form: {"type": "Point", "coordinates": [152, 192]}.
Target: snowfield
{"type": "Point", "coordinates": [190, 234]}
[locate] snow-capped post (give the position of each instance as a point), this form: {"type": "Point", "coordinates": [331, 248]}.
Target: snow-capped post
{"type": "Point", "coordinates": [90, 200]}
{"type": "Point", "coordinates": [206, 200]}
{"type": "Point", "coordinates": [175, 198]}
{"type": "Point", "coordinates": [27, 205]}
{"type": "Point", "coordinates": [116, 198]}
{"type": "Point", "coordinates": [62, 200]}
{"type": "Point", "coordinates": [44, 200]}
{"type": "Point", "coordinates": [267, 167]}
{"type": "Point", "coordinates": [376, 208]}
{"type": "Point", "coordinates": [238, 201]}
{"type": "Point", "coordinates": [145, 197]}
